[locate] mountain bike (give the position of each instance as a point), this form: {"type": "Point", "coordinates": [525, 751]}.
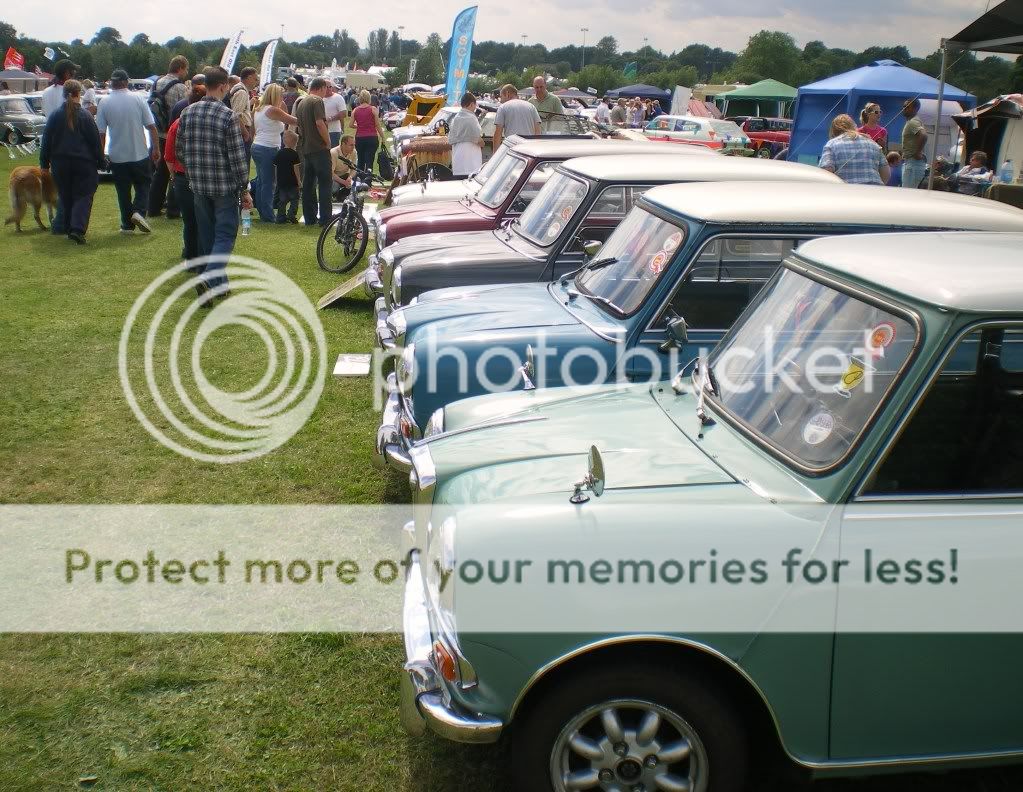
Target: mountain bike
{"type": "Point", "coordinates": [343, 240]}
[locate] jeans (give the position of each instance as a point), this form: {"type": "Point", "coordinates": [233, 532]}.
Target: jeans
{"type": "Point", "coordinates": [76, 182]}
{"type": "Point", "coordinates": [263, 197]}
{"type": "Point", "coordinates": [189, 229]}
{"type": "Point", "coordinates": [158, 192]}
{"type": "Point", "coordinates": [216, 218]}
{"type": "Point", "coordinates": [366, 148]}
{"type": "Point", "coordinates": [316, 176]}
{"type": "Point", "coordinates": [335, 138]}
{"type": "Point", "coordinates": [913, 172]}
{"type": "Point", "coordinates": [287, 204]}
{"type": "Point", "coordinates": [128, 176]}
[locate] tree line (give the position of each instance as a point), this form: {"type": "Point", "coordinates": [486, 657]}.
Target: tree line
{"type": "Point", "coordinates": [600, 66]}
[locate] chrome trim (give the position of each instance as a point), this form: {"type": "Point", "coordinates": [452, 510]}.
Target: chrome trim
{"type": "Point", "coordinates": [384, 335]}
{"type": "Point", "coordinates": [579, 318]}
{"type": "Point", "coordinates": [422, 464]}
{"type": "Point", "coordinates": [510, 421]}
{"type": "Point", "coordinates": [911, 410]}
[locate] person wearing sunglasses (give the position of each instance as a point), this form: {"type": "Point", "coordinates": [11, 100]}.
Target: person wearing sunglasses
{"type": "Point", "coordinates": [870, 125]}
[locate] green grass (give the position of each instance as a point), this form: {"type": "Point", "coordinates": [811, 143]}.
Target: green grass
{"type": "Point", "coordinates": [233, 712]}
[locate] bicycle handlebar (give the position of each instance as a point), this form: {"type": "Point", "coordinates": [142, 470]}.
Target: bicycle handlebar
{"type": "Point", "coordinates": [359, 173]}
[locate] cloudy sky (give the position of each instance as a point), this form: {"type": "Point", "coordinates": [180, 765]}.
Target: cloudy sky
{"type": "Point", "coordinates": [668, 24]}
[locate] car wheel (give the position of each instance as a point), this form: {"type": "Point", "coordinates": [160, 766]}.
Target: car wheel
{"type": "Point", "coordinates": [638, 729]}
{"type": "Point", "coordinates": [764, 152]}
{"type": "Point", "coordinates": [12, 137]}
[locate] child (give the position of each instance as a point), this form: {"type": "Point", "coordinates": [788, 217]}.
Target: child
{"type": "Point", "coordinates": [289, 179]}
{"type": "Point", "coordinates": [895, 164]}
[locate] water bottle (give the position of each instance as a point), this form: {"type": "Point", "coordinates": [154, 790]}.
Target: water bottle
{"type": "Point", "coordinates": [1006, 173]}
{"type": "Point", "coordinates": [246, 221]}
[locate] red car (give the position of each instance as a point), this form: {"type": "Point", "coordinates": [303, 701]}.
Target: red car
{"type": "Point", "coordinates": [768, 136]}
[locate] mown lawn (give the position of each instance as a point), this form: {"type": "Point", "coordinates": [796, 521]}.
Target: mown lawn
{"type": "Point", "coordinates": [232, 712]}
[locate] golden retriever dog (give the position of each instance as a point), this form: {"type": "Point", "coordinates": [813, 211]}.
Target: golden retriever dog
{"type": "Point", "coordinates": [30, 185]}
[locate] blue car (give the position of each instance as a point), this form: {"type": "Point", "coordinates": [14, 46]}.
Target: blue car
{"type": "Point", "coordinates": [668, 284]}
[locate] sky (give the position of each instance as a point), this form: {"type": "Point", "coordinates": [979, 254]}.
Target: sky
{"type": "Point", "coordinates": [667, 24]}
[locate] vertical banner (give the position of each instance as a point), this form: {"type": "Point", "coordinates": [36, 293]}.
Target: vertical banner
{"type": "Point", "coordinates": [231, 51]}
{"type": "Point", "coordinates": [13, 59]}
{"type": "Point", "coordinates": [460, 54]}
{"type": "Point", "coordinates": [266, 68]}
{"type": "Point", "coordinates": [412, 69]}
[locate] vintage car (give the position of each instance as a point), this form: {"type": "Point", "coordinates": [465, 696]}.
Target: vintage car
{"type": "Point", "coordinates": [667, 285]}
{"type": "Point", "coordinates": [840, 678]}
{"type": "Point", "coordinates": [768, 136]}
{"type": "Point", "coordinates": [506, 191]}
{"type": "Point", "coordinates": [696, 131]}
{"type": "Point", "coordinates": [20, 121]}
{"type": "Point", "coordinates": [584, 203]}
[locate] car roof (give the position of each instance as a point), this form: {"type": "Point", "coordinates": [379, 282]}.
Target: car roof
{"type": "Point", "coordinates": [837, 203]}
{"type": "Point", "coordinates": [640, 167]}
{"type": "Point", "coordinates": [962, 271]}
{"type": "Point", "coordinates": [580, 147]}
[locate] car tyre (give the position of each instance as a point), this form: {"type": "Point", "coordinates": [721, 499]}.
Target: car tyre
{"type": "Point", "coordinates": [764, 152]}
{"type": "Point", "coordinates": [566, 731]}
{"type": "Point", "coordinates": [12, 137]}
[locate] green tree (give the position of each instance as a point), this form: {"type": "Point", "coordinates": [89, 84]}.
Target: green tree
{"type": "Point", "coordinates": [393, 45]}
{"type": "Point", "coordinates": [600, 78]}
{"type": "Point", "coordinates": [769, 54]}
{"type": "Point", "coordinates": [102, 61]}
{"type": "Point", "coordinates": [604, 51]}
{"type": "Point", "coordinates": [430, 66]}
{"type": "Point", "coordinates": [322, 44]}
{"type": "Point", "coordinates": [141, 40]}
{"type": "Point", "coordinates": [669, 78]}
{"type": "Point", "coordinates": [107, 35]}
{"type": "Point", "coordinates": [8, 36]}
{"type": "Point", "coordinates": [1016, 78]}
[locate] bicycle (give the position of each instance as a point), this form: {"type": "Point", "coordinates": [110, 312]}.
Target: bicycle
{"type": "Point", "coordinates": [345, 237]}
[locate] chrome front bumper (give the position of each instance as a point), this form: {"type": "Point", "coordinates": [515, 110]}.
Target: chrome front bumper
{"type": "Point", "coordinates": [374, 281]}
{"type": "Point", "coordinates": [392, 443]}
{"type": "Point", "coordinates": [425, 704]}
{"type": "Point", "coordinates": [385, 337]}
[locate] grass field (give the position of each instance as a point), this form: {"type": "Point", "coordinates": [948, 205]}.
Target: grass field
{"type": "Point", "coordinates": [231, 712]}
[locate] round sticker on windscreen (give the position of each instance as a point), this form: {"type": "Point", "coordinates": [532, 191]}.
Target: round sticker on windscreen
{"type": "Point", "coordinates": [881, 338]}
{"type": "Point", "coordinates": [566, 213]}
{"type": "Point", "coordinates": [554, 230]}
{"type": "Point", "coordinates": [818, 428]}
{"type": "Point", "coordinates": [658, 261]}
{"type": "Point", "coordinates": [672, 242]}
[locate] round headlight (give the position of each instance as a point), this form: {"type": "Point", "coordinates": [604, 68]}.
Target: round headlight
{"type": "Point", "coordinates": [407, 369]}
{"type": "Point", "coordinates": [381, 236]}
{"type": "Point", "coordinates": [396, 286]}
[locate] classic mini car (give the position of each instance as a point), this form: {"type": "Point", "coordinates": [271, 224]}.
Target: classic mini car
{"type": "Point", "coordinates": [20, 121]}
{"type": "Point", "coordinates": [692, 130]}
{"type": "Point", "coordinates": [583, 203]}
{"type": "Point", "coordinates": [669, 282]}
{"type": "Point", "coordinates": [506, 192]}
{"type": "Point", "coordinates": [620, 683]}
{"type": "Point", "coordinates": [767, 136]}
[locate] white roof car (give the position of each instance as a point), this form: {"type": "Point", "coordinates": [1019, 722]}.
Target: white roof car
{"type": "Point", "coordinates": [961, 271]}
{"type": "Point", "coordinates": [660, 166]}
{"type": "Point", "coordinates": [709, 132]}
{"type": "Point", "coordinates": [842, 204]}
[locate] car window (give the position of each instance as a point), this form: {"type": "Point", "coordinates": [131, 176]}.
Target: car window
{"type": "Point", "coordinates": [661, 124]}
{"type": "Point", "coordinates": [725, 128]}
{"type": "Point", "coordinates": [689, 127]}
{"type": "Point", "coordinates": [756, 125]}
{"type": "Point", "coordinates": [727, 274]}
{"type": "Point", "coordinates": [534, 183]}
{"type": "Point", "coordinates": [11, 106]}
{"type": "Point", "coordinates": [501, 182]}
{"type": "Point", "coordinates": [552, 209]}
{"type": "Point", "coordinates": [491, 165]}
{"type": "Point", "coordinates": [966, 434]}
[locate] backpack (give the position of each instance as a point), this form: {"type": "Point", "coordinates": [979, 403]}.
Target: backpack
{"type": "Point", "coordinates": [232, 92]}
{"type": "Point", "coordinates": [158, 106]}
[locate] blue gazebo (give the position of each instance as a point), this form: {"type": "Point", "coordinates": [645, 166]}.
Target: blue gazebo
{"type": "Point", "coordinates": [885, 81]}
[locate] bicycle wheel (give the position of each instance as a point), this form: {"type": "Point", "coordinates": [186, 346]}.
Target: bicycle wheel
{"type": "Point", "coordinates": [342, 242]}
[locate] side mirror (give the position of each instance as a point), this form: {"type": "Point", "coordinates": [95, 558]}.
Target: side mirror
{"type": "Point", "coordinates": [593, 481]}
{"type": "Point", "coordinates": [528, 370]}
{"type": "Point", "coordinates": [592, 247]}
{"type": "Point", "coordinates": [678, 334]}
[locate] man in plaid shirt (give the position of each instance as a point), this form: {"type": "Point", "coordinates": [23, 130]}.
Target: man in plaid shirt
{"type": "Point", "coordinates": [211, 148]}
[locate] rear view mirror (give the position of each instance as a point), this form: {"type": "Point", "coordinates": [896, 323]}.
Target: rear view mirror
{"type": "Point", "coordinates": [678, 334]}
{"type": "Point", "coordinates": [592, 247]}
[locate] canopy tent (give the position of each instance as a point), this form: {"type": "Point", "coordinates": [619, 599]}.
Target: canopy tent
{"type": "Point", "coordinates": [750, 97]}
{"type": "Point", "coordinates": [885, 82]}
{"type": "Point", "coordinates": [574, 93]}
{"type": "Point", "coordinates": [22, 81]}
{"type": "Point", "coordinates": [643, 92]}
{"type": "Point", "coordinates": [998, 30]}
{"type": "Point", "coordinates": [996, 128]}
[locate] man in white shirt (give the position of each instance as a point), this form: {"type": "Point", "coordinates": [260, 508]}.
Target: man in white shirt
{"type": "Point", "coordinates": [127, 117]}
{"type": "Point", "coordinates": [514, 117]}
{"type": "Point", "coordinates": [53, 99]}
{"type": "Point", "coordinates": [603, 112]}
{"type": "Point", "coordinates": [336, 111]}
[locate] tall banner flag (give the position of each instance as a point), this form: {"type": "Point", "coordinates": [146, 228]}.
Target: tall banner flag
{"type": "Point", "coordinates": [231, 51]}
{"type": "Point", "coordinates": [49, 54]}
{"type": "Point", "coordinates": [412, 69]}
{"type": "Point", "coordinates": [13, 59]}
{"type": "Point", "coordinates": [266, 68]}
{"type": "Point", "coordinates": [460, 54]}
{"type": "Point", "coordinates": [630, 71]}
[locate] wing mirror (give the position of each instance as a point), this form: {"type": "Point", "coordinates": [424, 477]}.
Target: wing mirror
{"type": "Point", "coordinates": [678, 334]}
{"type": "Point", "coordinates": [528, 370]}
{"type": "Point", "coordinates": [592, 247]}
{"type": "Point", "coordinates": [593, 481]}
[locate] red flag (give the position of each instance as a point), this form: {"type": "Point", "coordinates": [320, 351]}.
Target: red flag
{"type": "Point", "coordinates": [14, 59]}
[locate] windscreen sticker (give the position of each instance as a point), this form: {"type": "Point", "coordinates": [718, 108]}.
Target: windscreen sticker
{"type": "Point", "coordinates": [881, 338]}
{"type": "Point", "coordinates": [852, 377]}
{"type": "Point", "coordinates": [566, 213]}
{"type": "Point", "coordinates": [554, 230]}
{"type": "Point", "coordinates": [658, 261]}
{"type": "Point", "coordinates": [671, 243]}
{"type": "Point", "coordinates": [818, 428]}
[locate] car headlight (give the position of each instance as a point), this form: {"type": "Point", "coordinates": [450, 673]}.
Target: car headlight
{"type": "Point", "coordinates": [397, 324]}
{"type": "Point", "coordinates": [396, 286]}
{"type": "Point", "coordinates": [381, 236]}
{"type": "Point", "coordinates": [407, 370]}
{"type": "Point", "coordinates": [435, 425]}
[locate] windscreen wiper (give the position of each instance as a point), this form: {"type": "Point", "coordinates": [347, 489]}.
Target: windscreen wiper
{"type": "Point", "coordinates": [706, 382]}
{"type": "Point", "coordinates": [590, 265]}
{"type": "Point", "coordinates": [607, 302]}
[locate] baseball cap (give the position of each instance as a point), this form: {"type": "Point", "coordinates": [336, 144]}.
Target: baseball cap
{"type": "Point", "coordinates": [65, 65]}
{"type": "Point", "coordinates": [119, 75]}
{"type": "Point", "coordinates": [199, 79]}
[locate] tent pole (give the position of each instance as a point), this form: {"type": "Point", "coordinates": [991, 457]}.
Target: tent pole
{"type": "Point", "coordinates": [937, 123]}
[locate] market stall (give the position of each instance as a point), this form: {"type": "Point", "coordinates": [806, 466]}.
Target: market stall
{"type": "Point", "coordinates": [22, 81]}
{"type": "Point", "coordinates": [764, 98]}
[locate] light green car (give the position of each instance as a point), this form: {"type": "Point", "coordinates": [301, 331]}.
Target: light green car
{"type": "Point", "coordinates": [917, 419]}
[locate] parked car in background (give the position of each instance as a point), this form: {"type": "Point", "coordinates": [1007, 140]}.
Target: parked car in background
{"type": "Point", "coordinates": [667, 285]}
{"type": "Point", "coordinates": [927, 458]}
{"type": "Point", "coordinates": [768, 136]}
{"type": "Point", "coordinates": [20, 121]}
{"type": "Point", "coordinates": [692, 130]}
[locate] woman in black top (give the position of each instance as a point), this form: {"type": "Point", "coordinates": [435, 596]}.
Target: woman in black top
{"type": "Point", "coordinates": [71, 146]}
